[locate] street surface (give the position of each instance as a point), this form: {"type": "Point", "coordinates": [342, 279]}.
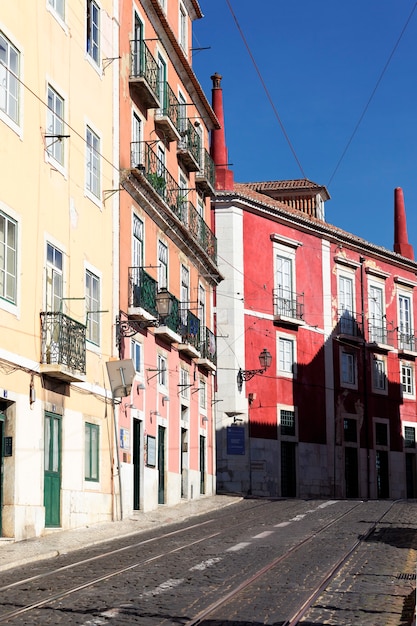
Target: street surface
{"type": "Point", "coordinates": [255, 562]}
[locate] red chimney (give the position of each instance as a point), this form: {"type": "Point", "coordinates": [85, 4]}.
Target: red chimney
{"type": "Point", "coordinates": [401, 244]}
{"type": "Point", "coordinates": [224, 176]}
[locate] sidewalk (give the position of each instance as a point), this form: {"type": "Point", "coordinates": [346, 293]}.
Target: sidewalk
{"type": "Point", "coordinates": [56, 542]}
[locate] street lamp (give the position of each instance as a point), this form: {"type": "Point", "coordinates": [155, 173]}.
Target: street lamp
{"type": "Point", "coordinates": [265, 359]}
{"type": "Point", "coordinates": [163, 302]}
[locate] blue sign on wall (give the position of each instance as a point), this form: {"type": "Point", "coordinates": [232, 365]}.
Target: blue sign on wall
{"type": "Point", "coordinates": [235, 440]}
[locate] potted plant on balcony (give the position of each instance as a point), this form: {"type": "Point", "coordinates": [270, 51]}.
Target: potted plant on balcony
{"type": "Point", "coordinates": [158, 182]}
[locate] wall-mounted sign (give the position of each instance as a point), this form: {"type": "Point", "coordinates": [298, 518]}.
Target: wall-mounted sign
{"type": "Point", "coordinates": [235, 440]}
{"type": "Point", "coordinates": [151, 451]}
{"type": "Point", "coordinates": [8, 446]}
{"type": "Point", "coordinates": [124, 439]}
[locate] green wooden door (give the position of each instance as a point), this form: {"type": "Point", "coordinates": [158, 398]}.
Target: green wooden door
{"type": "Point", "coordinates": [161, 465]}
{"type": "Point", "coordinates": [52, 473]}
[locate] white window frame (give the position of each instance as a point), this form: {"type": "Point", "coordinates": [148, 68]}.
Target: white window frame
{"type": "Point", "coordinates": [8, 259]}
{"type": "Point", "coordinates": [93, 31]}
{"type": "Point", "coordinates": [55, 147]}
{"type": "Point", "coordinates": [10, 91]}
{"type": "Point", "coordinates": [379, 375]}
{"type": "Point", "coordinates": [162, 265]}
{"type": "Point", "coordinates": [348, 368]}
{"type": "Point", "coordinates": [286, 350]}
{"type": "Point", "coordinates": [407, 380]}
{"type": "Point", "coordinates": [93, 165]}
{"type": "Point", "coordinates": [183, 28]}
{"type": "Point", "coordinates": [136, 350]}
{"type": "Point", "coordinates": [202, 394]}
{"type": "Point", "coordinates": [136, 156]}
{"type": "Point", "coordinates": [406, 321]}
{"type": "Point", "coordinates": [376, 308]}
{"type": "Point", "coordinates": [185, 293]}
{"type": "Point", "coordinates": [93, 332]}
{"type": "Point", "coordinates": [162, 370]}
{"type": "Point", "coordinates": [287, 409]}
{"type": "Point", "coordinates": [185, 383]}
{"type": "Point", "coordinates": [58, 7]}
{"type": "Point", "coordinates": [346, 302]}
{"type": "Point", "coordinates": [54, 278]}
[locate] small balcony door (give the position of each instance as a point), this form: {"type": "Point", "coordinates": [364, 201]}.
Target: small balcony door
{"type": "Point", "coordinates": [52, 470]}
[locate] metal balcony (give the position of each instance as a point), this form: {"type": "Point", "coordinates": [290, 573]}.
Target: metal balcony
{"type": "Point", "coordinates": [288, 306]}
{"type": "Point", "coordinates": [349, 324]}
{"type": "Point", "coordinates": [189, 331]}
{"type": "Point", "coordinates": [208, 349]}
{"type": "Point", "coordinates": [63, 347]}
{"type": "Point", "coordinates": [167, 117]}
{"type": "Point", "coordinates": [205, 177]}
{"type": "Point", "coordinates": [380, 334]}
{"type": "Point", "coordinates": [142, 295]}
{"type": "Point", "coordinates": [189, 148]}
{"type": "Point", "coordinates": [143, 77]}
{"type": "Point", "coordinates": [169, 326]}
{"type": "Point", "coordinates": [407, 342]}
{"type": "Point", "coordinates": [157, 175]}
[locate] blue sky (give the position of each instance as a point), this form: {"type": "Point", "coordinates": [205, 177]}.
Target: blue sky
{"type": "Point", "coordinates": [321, 61]}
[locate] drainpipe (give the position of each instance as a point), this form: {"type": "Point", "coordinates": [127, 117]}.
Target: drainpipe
{"type": "Point", "coordinates": [365, 382]}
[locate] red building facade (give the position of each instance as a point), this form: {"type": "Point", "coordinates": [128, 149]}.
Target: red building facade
{"type": "Point", "coordinates": [334, 414]}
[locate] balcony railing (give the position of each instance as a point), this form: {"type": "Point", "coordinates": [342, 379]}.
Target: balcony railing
{"type": "Point", "coordinates": [173, 320]}
{"type": "Point", "coordinates": [350, 324]}
{"type": "Point", "coordinates": [206, 176]}
{"type": "Point", "coordinates": [168, 115]}
{"type": "Point", "coordinates": [189, 147]}
{"type": "Point", "coordinates": [190, 328]}
{"type": "Point", "coordinates": [407, 341]}
{"type": "Point", "coordinates": [174, 196]}
{"type": "Point", "coordinates": [288, 304]}
{"type": "Point", "coordinates": [142, 290]}
{"type": "Point", "coordinates": [378, 332]}
{"type": "Point", "coordinates": [208, 347]}
{"type": "Point", "coordinates": [144, 73]}
{"type": "Point", "coordinates": [63, 341]}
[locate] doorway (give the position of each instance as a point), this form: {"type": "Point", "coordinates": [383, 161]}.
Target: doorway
{"type": "Point", "coordinates": [137, 450]}
{"type": "Point", "coordinates": [52, 470]}
{"type": "Point", "coordinates": [161, 465]}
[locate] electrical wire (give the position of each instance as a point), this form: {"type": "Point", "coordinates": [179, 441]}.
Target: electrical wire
{"type": "Point", "coordinates": [268, 95]}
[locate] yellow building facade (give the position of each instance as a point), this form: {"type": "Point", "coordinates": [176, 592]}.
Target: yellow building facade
{"type": "Point", "coordinates": [58, 270]}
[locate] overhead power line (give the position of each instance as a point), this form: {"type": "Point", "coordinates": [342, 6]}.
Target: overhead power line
{"type": "Point", "coordinates": [266, 90]}
{"type": "Point", "coordinates": [372, 95]}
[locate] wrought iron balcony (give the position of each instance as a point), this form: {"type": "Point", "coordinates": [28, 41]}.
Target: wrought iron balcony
{"type": "Point", "coordinates": [155, 172]}
{"type": "Point", "coordinates": [205, 177]}
{"type": "Point", "coordinates": [208, 349]}
{"type": "Point", "coordinates": [379, 333]}
{"type": "Point", "coordinates": [189, 331]}
{"type": "Point", "coordinates": [143, 77]}
{"type": "Point", "coordinates": [167, 117]}
{"type": "Point", "coordinates": [288, 306]}
{"type": "Point", "coordinates": [189, 147]}
{"type": "Point", "coordinates": [142, 295]}
{"type": "Point", "coordinates": [406, 342]}
{"type": "Point", "coordinates": [63, 349]}
{"type": "Point", "coordinates": [349, 324]}
{"type": "Point", "coordinates": [169, 326]}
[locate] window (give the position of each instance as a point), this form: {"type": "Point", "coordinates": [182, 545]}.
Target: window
{"type": "Point", "coordinates": [284, 286]}
{"type": "Point", "coordinates": [405, 326]}
{"type": "Point", "coordinates": [183, 28]}
{"type": "Point", "coordinates": [287, 422]}
{"type": "Point", "coordinates": [93, 30]}
{"type": "Point", "coordinates": [92, 433]}
{"type": "Point", "coordinates": [92, 291]}
{"type": "Point", "coordinates": [58, 6]}
{"type": "Point", "coordinates": [162, 265]}
{"type": "Point", "coordinates": [184, 383]}
{"type": "Point", "coordinates": [347, 368]}
{"type": "Point", "coordinates": [381, 434]}
{"type": "Point", "coordinates": [55, 126]}
{"type": "Point", "coordinates": [93, 163]}
{"type": "Point", "coordinates": [349, 430]}
{"type": "Point", "coordinates": [185, 297]}
{"type": "Point", "coordinates": [162, 79]}
{"type": "Point", "coordinates": [346, 313]}
{"type": "Point", "coordinates": [137, 252]}
{"type": "Point", "coordinates": [136, 354]}
{"type": "Point", "coordinates": [202, 392]}
{"type": "Point", "coordinates": [54, 279]}
{"type": "Point", "coordinates": [407, 378]}
{"type": "Point", "coordinates": [136, 156]}
{"type": "Point", "coordinates": [377, 330]}
{"type": "Point", "coordinates": [9, 79]}
{"type": "Point", "coordinates": [409, 437]}
{"type": "Point", "coordinates": [162, 370]}
{"type": "Point", "coordinates": [286, 355]}
{"type": "Point", "coordinates": [8, 258]}
{"type": "Point", "coordinates": [202, 314]}
{"type": "Point", "coordinates": [378, 374]}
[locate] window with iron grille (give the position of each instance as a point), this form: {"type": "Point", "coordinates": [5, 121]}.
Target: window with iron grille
{"type": "Point", "coordinates": [349, 430]}
{"type": "Point", "coordinates": [287, 422]}
{"type": "Point", "coordinates": [9, 79]}
{"type": "Point", "coordinates": [409, 437]}
{"type": "Point", "coordinates": [407, 378]}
